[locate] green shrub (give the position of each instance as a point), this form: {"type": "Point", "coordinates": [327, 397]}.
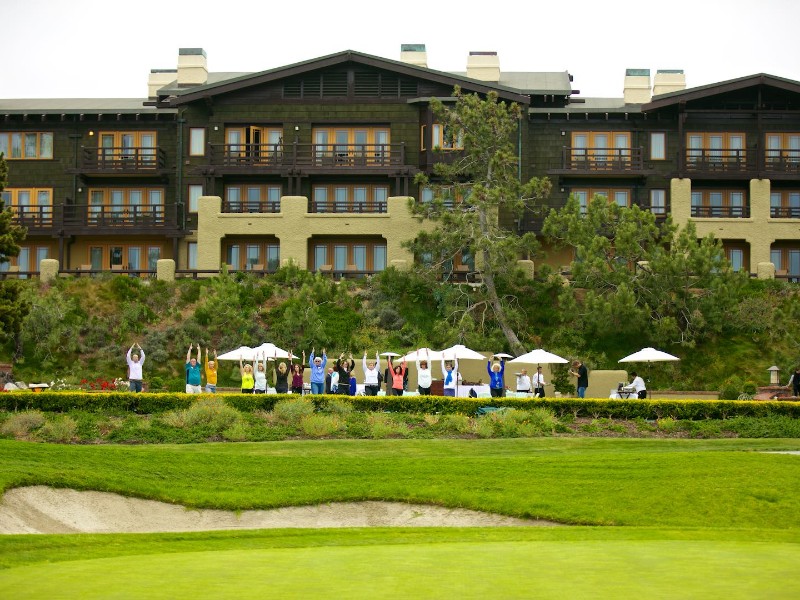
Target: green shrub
{"type": "Point", "coordinates": [238, 432]}
{"type": "Point", "coordinates": [456, 423]}
{"type": "Point", "coordinates": [212, 413]}
{"type": "Point", "coordinates": [668, 425]}
{"type": "Point", "coordinates": [731, 388]}
{"type": "Point", "coordinates": [321, 425]}
{"type": "Point", "coordinates": [292, 410]}
{"type": "Point", "coordinates": [59, 429]}
{"type": "Point", "coordinates": [19, 425]}
{"type": "Point", "coordinates": [381, 425]}
{"type": "Point", "coordinates": [750, 388]}
{"type": "Point", "coordinates": [483, 427]}
{"type": "Point", "coordinates": [336, 406]}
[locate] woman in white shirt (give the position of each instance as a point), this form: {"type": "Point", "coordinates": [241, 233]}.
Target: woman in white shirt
{"type": "Point", "coordinates": [371, 371]}
{"type": "Point", "coordinates": [424, 376]}
{"type": "Point", "coordinates": [260, 376]}
{"type": "Point", "coordinates": [450, 374]}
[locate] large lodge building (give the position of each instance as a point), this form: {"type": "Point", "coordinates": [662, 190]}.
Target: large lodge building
{"type": "Point", "coordinates": [314, 162]}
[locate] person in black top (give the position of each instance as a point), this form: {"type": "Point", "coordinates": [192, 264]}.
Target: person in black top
{"type": "Point", "coordinates": [580, 372]}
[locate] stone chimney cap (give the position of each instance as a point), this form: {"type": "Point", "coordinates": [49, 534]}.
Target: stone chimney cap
{"type": "Point", "coordinates": [671, 71]}
{"type": "Point", "coordinates": [412, 47]}
{"type": "Point", "coordinates": [637, 72]}
{"type": "Point", "coordinates": [482, 53]}
{"type": "Point", "coordinates": [191, 51]}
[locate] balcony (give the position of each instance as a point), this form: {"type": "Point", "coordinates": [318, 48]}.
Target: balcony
{"type": "Point", "coordinates": [317, 158]}
{"type": "Point", "coordinates": [721, 212]}
{"type": "Point", "coordinates": [783, 163]}
{"type": "Point", "coordinates": [36, 219]}
{"type": "Point", "coordinates": [718, 163]}
{"type": "Point", "coordinates": [251, 206]}
{"type": "Point", "coordinates": [84, 218]}
{"type": "Point", "coordinates": [347, 207]}
{"type": "Point", "coordinates": [614, 162]}
{"type": "Point", "coordinates": [785, 212]}
{"type": "Point", "coordinates": [123, 161]}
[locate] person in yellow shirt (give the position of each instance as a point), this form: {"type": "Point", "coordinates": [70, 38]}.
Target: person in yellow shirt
{"type": "Point", "coordinates": [248, 379]}
{"type": "Point", "coordinates": [210, 367]}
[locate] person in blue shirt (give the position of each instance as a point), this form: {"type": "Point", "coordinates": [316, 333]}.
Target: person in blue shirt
{"type": "Point", "coordinates": [317, 366]}
{"type": "Point", "coordinates": [497, 385]}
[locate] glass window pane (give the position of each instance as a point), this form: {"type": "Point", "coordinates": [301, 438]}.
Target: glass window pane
{"type": "Point", "coordinates": [775, 258]}
{"type": "Point", "coordinates": [233, 195]}
{"type": "Point", "coordinates": [195, 191]}
{"type": "Point", "coordinates": [621, 198]}
{"type": "Point", "coordinates": [46, 148]}
{"type": "Point", "coordinates": [273, 257]}
{"type": "Point", "coordinates": [253, 199]}
{"type": "Point", "coordinates": [4, 147]}
{"type": "Point", "coordinates": [794, 263]}
{"type": "Point", "coordinates": [197, 141]}
{"type": "Point", "coordinates": [233, 256]}
{"type": "Point", "coordinates": [115, 255]}
{"type": "Point", "coordinates": [191, 255]}
{"type": "Point", "coordinates": [320, 256]}
{"type": "Point", "coordinates": [134, 257]}
{"type": "Point", "coordinates": [321, 199]}
{"type": "Point", "coordinates": [154, 255]}
{"type": "Point", "coordinates": [135, 198]}
{"type": "Point", "coordinates": [658, 146]}
{"type": "Point", "coordinates": [16, 148]}
{"type": "Point", "coordinates": [737, 259]}
{"type": "Point", "coordinates": [24, 258]}
{"type": "Point", "coordinates": [96, 258]}
{"type": "Point", "coordinates": [339, 258]}
{"type": "Point", "coordinates": [359, 199]}
{"type": "Point", "coordinates": [379, 258]}
{"type": "Point", "coordinates": [30, 145]}
{"type": "Point", "coordinates": [274, 194]}
{"type": "Point", "coordinates": [360, 257]}
{"type": "Point", "coordinates": [253, 252]}
{"type": "Point", "coordinates": [737, 199]}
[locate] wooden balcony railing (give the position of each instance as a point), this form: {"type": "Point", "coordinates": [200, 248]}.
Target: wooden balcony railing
{"type": "Point", "coordinates": [123, 160]}
{"type": "Point", "coordinates": [332, 206]}
{"type": "Point", "coordinates": [251, 206]}
{"type": "Point", "coordinates": [308, 155]}
{"type": "Point", "coordinates": [120, 217]}
{"type": "Point", "coordinates": [785, 212]}
{"type": "Point", "coordinates": [601, 160]}
{"type": "Point", "coordinates": [782, 161]}
{"type": "Point", "coordinates": [721, 212]}
{"type": "Point", "coordinates": [707, 160]}
{"type": "Point", "coordinates": [34, 218]}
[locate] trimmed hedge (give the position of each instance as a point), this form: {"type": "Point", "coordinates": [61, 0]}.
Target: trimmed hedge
{"type": "Point", "coordinates": [149, 403]}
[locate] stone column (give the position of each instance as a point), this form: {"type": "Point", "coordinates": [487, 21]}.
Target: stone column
{"type": "Point", "coordinates": [48, 270]}
{"type": "Point", "coordinates": [165, 270]}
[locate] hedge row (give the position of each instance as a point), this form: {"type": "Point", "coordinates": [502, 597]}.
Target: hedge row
{"type": "Point", "coordinates": [149, 403]}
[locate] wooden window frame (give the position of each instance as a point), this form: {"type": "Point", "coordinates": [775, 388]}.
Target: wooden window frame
{"type": "Point", "coordinates": [146, 208]}
{"type": "Point", "coordinates": [244, 202]}
{"type": "Point", "coordinates": [653, 146]}
{"type": "Point", "coordinates": [350, 243]}
{"type": "Point", "coordinates": [331, 206]}
{"type": "Point", "coordinates": [145, 245]}
{"type": "Point", "coordinates": [608, 192]}
{"type": "Point", "coordinates": [264, 246]}
{"type": "Point", "coordinates": [726, 202]}
{"type": "Point", "coordinates": [37, 155]}
{"type": "Point", "coordinates": [193, 131]}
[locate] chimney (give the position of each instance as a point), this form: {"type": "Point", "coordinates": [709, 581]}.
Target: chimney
{"type": "Point", "coordinates": [158, 79]}
{"type": "Point", "coordinates": [484, 66]}
{"type": "Point", "coordinates": [414, 54]}
{"type": "Point", "coordinates": [192, 68]}
{"type": "Point", "coordinates": [637, 86]}
{"type": "Point", "coordinates": [669, 80]}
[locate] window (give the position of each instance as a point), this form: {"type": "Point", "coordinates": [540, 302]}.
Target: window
{"type": "Point", "coordinates": [442, 138]}
{"type": "Point", "coordinates": [31, 206]}
{"type": "Point", "coordinates": [784, 204]}
{"type": "Point", "coordinates": [622, 197]}
{"type": "Point", "coordinates": [714, 203]}
{"type": "Point", "coordinates": [123, 147]}
{"type": "Point", "coordinates": [360, 255]}
{"type": "Point", "coordinates": [254, 198]}
{"type": "Point", "coordinates": [783, 148]}
{"type": "Point", "coordinates": [716, 148]}
{"type": "Point", "coordinates": [253, 254]}
{"type": "Point", "coordinates": [593, 149]}
{"type": "Point", "coordinates": [253, 144]}
{"type": "Point", "coordinates": [197, 141]}
{"type": "Point", "coordinates": [350, 198]}
{"type": "Point", "coordinates": [126, 206]}
{"type": "Point", "coordinates": [352, 146]}
{"type": "Point", "coordinates": [735, 256]}
{"type": "Point", "coordinates": [191, 255]}
{"type": "Point", "coordinates": [135, 256]}
{"type": "Point", "coordinates": [658, 145]}
{"type": "Point", "coordinates": [658, 202]}
{"type": "Point", "coordinates": [19, 145]}
{"type": "Point", "coordinates": [195, 191]}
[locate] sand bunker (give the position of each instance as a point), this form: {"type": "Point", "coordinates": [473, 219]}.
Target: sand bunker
{"type": "Point", "coordinates": [41, 509]}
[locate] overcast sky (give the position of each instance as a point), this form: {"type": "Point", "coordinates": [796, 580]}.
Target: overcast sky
{"type": "Point", "coordinates": [106, 48]}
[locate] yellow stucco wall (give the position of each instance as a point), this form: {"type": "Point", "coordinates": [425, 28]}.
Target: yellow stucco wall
{"type": "Point", "coordinates": [294, 226]}
{"type": "Point", "coordinates": [760, 231]}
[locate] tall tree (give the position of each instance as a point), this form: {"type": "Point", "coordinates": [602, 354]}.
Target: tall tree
{"type": "Point", "coordinates": [640, 277]}
{"type": "Point", "coordinates": [12, 307]}
{"type": "Point", "coordinates": [471, 193]}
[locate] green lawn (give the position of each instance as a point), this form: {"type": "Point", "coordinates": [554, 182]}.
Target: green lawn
{"type": "Point", "coordinates": [700, 518]}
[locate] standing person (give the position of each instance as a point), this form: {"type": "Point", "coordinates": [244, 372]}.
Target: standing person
{"type": "Point", "coordinates": [538, 383]}
{"type": "Point", "coordinates": [281, 376]}
{"type": "Point", "coordinates": [135, 361]}
{"type": "Point", "coordinates": [344, 366]}
{"type": "Point", "coordinates": [317, 366]}
{"type": "Point", "coordinates": [193, 379]}
{"type": "Point", "coordinates": [523, 382]}
{"type": "Point", "coordinates": [210, 367]}
{"type": "Point", "coordinates": [372, 371]}
{"type": "Point", "coordinates": [795, 381]}
{"type": "Point", "coordinates": [248, 381]}
{"type": "Point", "coordinates": [387, 376]}
{"type": "Point", "coordinates": [297, 374]}
{"type": "Point", "coordinates": [450, 374]}
{"type": "Point", "coordinates": [581, 373]}
{"type": "Point", "coordinates": [639, 386]}
{"type": "Point", "coordinates": [496, 369]}
{"type": "Point", "coordinates": [424, 375]}
{"type": "Point", "coordinates": [260, 376]}
{"type": "Point", "coordinates": [398, 375]}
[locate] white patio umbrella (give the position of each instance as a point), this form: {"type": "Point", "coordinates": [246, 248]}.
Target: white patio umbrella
{"type": "Point", "coordinates": [649, 355]}
{"type": "Point", "coordinates": [243, 352]}
{"type": "Point", "coordinates": [539, 357]}
{"type": "Point", "coordinates": [431, 355]}
{"type": "Point", "coordinates": [461, 352]}
{"type": "Point", "coordinates": [271, 350]}
{"type": "Point", "coordinates": [390, 354]}
{"type": "Point", "coordinates": [502, 355]}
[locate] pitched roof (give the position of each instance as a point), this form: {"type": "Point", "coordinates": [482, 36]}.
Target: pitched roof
{"type": "Point", "coordinates": [69, 106]}
{"type": "Point", "coordinates": [712, 89]}
{"type": "Point", "coordinates": [212, 88]}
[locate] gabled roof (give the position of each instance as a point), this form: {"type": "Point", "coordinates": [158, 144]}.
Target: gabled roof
{"type": "Point", "coordinates": [69, 106]}
{"type": "Point", "coordinates": [713, 89]}
{"type": "Point", "coordinates": [208, 90]}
